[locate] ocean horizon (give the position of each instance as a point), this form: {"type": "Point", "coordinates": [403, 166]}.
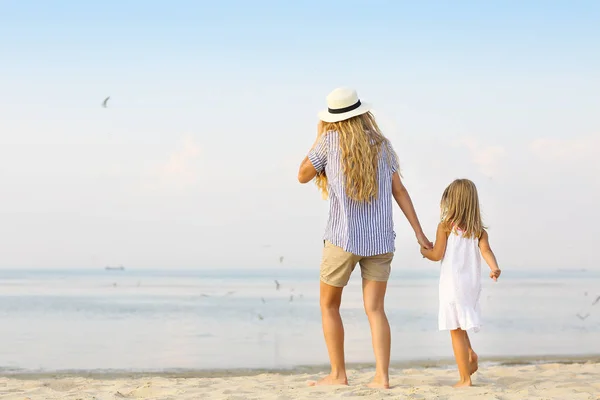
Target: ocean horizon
{"type": "Point", "coordinates": [165, 320]}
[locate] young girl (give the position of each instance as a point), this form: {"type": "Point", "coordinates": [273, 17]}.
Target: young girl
{"type": "Point", "coordinates": [460, 239]}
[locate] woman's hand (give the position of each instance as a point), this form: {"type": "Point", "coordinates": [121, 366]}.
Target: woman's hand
{"type": "Point", "coordinates": [320, 127]}
{"type": "Point", "coordinates": [423, 241]}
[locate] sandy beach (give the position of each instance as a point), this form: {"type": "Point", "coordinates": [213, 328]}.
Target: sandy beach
{"type": "Point", "coordinates": [509, 382]}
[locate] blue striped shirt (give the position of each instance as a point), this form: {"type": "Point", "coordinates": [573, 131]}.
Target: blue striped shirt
{"type": "Point", "coordinates": [361, 228]}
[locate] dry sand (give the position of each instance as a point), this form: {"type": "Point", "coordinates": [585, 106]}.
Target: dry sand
{"type": "Point", "coordinates": [544, 381]}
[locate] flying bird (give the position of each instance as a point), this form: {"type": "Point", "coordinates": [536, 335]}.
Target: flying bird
{"type": "Point", "coordinates": [105, 102]}
{"type": "Point", "coordinates": [596, 301]}
{"type": "Point", "coordinates": [277, 285]}
{"type": "Point", "coordinates": [582, 317]}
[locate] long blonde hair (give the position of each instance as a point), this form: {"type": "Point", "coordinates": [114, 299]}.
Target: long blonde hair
{"type": "Point", "coordinates": [360, 141]}
{"type": "Point", "coordinates": [460, 208]}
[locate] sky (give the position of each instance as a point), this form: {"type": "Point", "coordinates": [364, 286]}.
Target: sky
{"type": "Point", "coordinates": [213, 106]}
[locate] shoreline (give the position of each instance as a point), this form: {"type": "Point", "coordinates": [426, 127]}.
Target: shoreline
{"type": "Point", "coordinates": [491, 361]}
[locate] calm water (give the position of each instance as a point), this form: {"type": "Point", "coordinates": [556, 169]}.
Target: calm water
{"type": "Point", "coordinates": [161, 320]}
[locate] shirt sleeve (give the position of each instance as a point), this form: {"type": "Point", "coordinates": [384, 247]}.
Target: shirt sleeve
{"type": "Point", "coordinates": [318, 154]}
{"type": "Point", "coordinates": [393, 157]}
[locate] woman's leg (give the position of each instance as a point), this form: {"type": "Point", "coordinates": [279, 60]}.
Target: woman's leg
{"type": "Point", "coordinates": [473, 358]}
{"type": "Point", "coordinates": [333, 330]}
{"type": "Point", "coordinates": [461, 354]}
{"type": "Point", "coordinates": [373, 297]}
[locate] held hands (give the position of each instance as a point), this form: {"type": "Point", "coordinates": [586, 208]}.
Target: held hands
{"type": "Point", "coordinates": [495, 274]}
{"type": "Point", "coordinates": [424, 243]}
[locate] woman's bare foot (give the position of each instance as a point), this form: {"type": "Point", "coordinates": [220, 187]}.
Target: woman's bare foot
{"type": "Point", "coordinates": [463, 383]}
{"type": "Point", "coordinates": [330, 380]}
{"type": "Point", "coordinates": [473, 362]}
{"type": "Point", "coordinates": [379, 383]}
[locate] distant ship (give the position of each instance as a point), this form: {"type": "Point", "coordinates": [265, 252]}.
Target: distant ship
{"type": "Point", "coordinates": [119, 268]}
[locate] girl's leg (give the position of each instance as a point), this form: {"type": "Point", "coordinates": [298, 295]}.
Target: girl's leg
{"type": "Point", "coordinates": [473, 359]}
{"type": "Point", "coordinates": [373, 298]}
{"type": "Point", "coordinates": [461, 354]}
{"type": "Point", "coordinates": [333, 330]}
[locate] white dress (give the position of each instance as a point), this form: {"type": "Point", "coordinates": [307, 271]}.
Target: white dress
{"type": "Point", "coordinates": [460, 284]}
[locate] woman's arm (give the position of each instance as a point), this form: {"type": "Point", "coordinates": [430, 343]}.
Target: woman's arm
{"type": "Point", "coordinates": [308, 170]}
{"type": "Point", "coordinates": [405, 203]}
{"type": "Point", "coordinates": [438, 251]}
{"type": "Point", "coordinates": [488, 256]}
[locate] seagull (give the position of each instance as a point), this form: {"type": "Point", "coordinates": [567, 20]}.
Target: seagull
{"type": "Point", "coordinates": [260, 317]}
{"type": "Point", "coordinates": [596, 301]}
{"type": "Point", "coordinates": [105, 101]}
{"type": "Point", "coordinates": [291, 298]}
{"type": "Point", "coordinates": [582, 317]}
{"type": "Point", "coordinates": [277, 285]}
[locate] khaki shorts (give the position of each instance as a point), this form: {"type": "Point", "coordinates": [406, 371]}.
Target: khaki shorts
{"type": "Point", "coordinates": [337, 266]}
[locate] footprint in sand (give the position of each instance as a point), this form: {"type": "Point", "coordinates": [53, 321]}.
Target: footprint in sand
{"type": "Point", "coordinates": [143, 392]}
{"type": "Point", "coordinates": [60, 386]}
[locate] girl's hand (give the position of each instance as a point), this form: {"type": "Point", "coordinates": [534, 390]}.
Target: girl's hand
{"type": "Point", "coordinates": [495, 274]}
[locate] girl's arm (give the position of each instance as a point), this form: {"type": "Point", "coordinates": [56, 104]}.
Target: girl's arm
{"type": "Point", "coordinates": [438, 251]}
{"type": "Point", "coordinates": [488, 256]}
{"type": "Point", "coordinates": [405, 203]}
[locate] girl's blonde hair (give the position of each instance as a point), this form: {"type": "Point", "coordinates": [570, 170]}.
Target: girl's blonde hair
{"type": "Point", "coordinates": [460, 208]}
{"type": "Point", "coordinates": [360, 141]}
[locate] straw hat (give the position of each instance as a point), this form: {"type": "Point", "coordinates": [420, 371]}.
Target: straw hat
{"type": "Point", "coordinates": [342, 104]}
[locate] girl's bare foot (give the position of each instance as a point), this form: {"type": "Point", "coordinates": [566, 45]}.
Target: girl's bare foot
{"type": "Point", "coordinates": [463, 383]}
{"type": "Point", "coordinates": [330, 380]}
{"type": "Point", "coordinates": [379, 383]}
{"type": "Point", "coordinates": [473, 364]}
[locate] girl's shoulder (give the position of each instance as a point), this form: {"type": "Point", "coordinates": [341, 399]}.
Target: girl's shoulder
{"type": "Point", "coordinates": [446, 226]}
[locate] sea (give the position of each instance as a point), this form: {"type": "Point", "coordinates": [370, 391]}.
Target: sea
{"type": "Point", "coordinates": [208, 319]}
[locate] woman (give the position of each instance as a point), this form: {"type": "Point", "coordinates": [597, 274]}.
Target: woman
{"type": "Point", "coordinates": [357, 168]}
